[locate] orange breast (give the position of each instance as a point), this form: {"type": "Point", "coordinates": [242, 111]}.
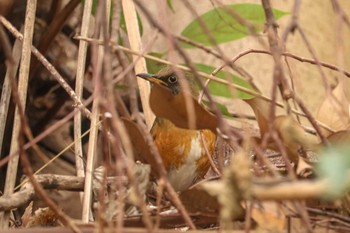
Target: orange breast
{"type": "Point", "coordinates": [183, 152]}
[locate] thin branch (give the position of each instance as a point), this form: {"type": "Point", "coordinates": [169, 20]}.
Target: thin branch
{"type": "Point", "coordinates": [341, 12]}
{"type": "Point", "coordinates": [50, 68]}
{"type": "Point", "coordinates": [121, 144]}
{"type": "Point", "coordinates": [47, 181]}
{"type": "Point", "coordinates": [24, 129]}
{"type": "Point", "coordinates": [140, 66]}
{"type": "Point", "coordinates": [40, 137]}
{"type": "Point", "coordinates": [55, 26]}
{"type": "Point", "coordinates": [211, 77]}
{"type": "Point", "coordinates": [12, 63]}
{"type": "Point", "coordinates": [298, 58]}
{"type": "Point", "coordinates": [97, 63]}
{"type": "Point", "coordinates": [22, 90]}
{"type": "Point", "coordinates": [278, 189]}
{"type": "Point", "coordinates": [79, 80]}
{"type": "Point", "coordinates": [43, 195]}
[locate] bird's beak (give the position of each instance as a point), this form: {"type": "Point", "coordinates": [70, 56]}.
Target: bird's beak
{"type": "Point", "coordinates": [151, 78]}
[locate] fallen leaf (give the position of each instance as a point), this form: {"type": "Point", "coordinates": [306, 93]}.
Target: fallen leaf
{"type": "Point", "coordinates": [261, 110]}
{"type": "Point", "coordinates": [269, 216]}
{"type": "Point", "coordinates": [334, 111]}
{"type": "Point", "coordinates": [292, 134]}
{"type": "Point", "coordinates": [27, 215]}
{"type": "Point", "coordinates": [198, 200]}
{"type": "Point", "coordinates": [44, 217]}
{"type": "Point", "coordinates": [340, 138]}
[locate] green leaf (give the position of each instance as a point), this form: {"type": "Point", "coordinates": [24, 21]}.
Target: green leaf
{"type": "Point", "coordinates": [334, 166]}
{"type": "Point", "coordinates": [224, 27]}
{"type": "Point", "coordinates": [220, 89]}
{"type": "Point", "coordinates": [170, 5]}
{"type": "Point", "coordinates": [222, 108]}
{"type": "Point", "coordinates": [121, 87]}
{"type": "Point", "coordinates": [152, 66]}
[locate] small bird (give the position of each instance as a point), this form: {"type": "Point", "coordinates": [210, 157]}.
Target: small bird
{"type": "Point", "coordinates": [182, 150]}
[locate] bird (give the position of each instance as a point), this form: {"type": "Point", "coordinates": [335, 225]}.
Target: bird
{"type": "Point", "coordinates": [183, 151]}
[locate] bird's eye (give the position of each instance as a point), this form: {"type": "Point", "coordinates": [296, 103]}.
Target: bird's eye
{"type": "Point", "coordinates": [172, 79]}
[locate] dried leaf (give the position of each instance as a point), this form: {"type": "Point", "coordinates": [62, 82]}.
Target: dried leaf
{"type": "Point", "coordinates": [44, 217]}
{"type": "Point", "coordinates": [269, 216]}
{"type": "Point", "coordinates": [340, 138]}
{"type": "Point", "coordinates": [334, 111]}
{"type": "Point", "coordinates": [304, 169]}
{"type": "Point", "coordinates": [291, 133]}
{"type": "Point", "coordinates": [27, 215]}
{"type": "Point", "coordinates": [294, 136]}
{"type": "Point", "coordinates": [261, 110]}
{"type": "Point", "coordinates": [197, 200]}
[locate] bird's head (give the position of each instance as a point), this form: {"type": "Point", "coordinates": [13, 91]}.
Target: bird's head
{"type": "Point", "coordinates": [168, 78]}
{"type": "Point", "coordinates": [168, 101]}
